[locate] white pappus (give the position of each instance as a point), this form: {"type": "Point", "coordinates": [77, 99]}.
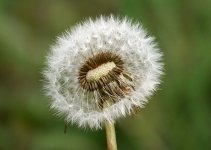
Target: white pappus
{"type": "Point", "coordinates": [102, 69]}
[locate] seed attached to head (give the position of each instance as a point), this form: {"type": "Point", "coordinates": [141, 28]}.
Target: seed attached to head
{"type": "Point", "coordinates": [105, 74]}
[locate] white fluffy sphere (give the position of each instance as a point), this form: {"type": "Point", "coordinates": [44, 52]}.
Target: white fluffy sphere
{"type": "Point", "coordinates": [99, 47]}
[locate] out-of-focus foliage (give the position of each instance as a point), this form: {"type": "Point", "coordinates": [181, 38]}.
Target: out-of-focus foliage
{"type": "Point", "coordinates": [178, 115]}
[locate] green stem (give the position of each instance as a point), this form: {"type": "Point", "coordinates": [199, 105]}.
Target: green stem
{"type": "Point", "coordinates": [110, 136]}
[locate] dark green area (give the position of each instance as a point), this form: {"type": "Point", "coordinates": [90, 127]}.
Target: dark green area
{"type": "Point", "coordinates": [178, 116]}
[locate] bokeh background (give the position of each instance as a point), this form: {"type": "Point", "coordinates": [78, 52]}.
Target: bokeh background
{"type": "Point", "coordinates": [178, 117]}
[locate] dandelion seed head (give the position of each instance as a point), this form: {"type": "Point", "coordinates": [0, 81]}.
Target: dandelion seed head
{"type": "Point", "coordinates": [102, 69]}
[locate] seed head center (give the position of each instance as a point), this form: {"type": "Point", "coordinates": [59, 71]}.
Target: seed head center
{"type": "Point", "coordinates": [100, 71]}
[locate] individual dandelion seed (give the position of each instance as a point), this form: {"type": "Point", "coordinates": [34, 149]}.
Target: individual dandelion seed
{"type": "Point", "coordinates": [102, 70]}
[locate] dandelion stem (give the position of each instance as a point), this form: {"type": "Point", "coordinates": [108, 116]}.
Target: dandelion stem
{"type": "Point", "coordinates": [110, 136]}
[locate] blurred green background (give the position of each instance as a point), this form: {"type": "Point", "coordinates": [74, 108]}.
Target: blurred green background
{"type": "Point", "coordinates": [178, 116]}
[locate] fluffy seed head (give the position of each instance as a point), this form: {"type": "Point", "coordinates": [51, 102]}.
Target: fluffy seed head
{"type": "Point", "coordinates": [102, 69]}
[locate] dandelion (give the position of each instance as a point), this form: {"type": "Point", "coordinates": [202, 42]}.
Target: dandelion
{"type": "Point", "coordinates": [102, 70]}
